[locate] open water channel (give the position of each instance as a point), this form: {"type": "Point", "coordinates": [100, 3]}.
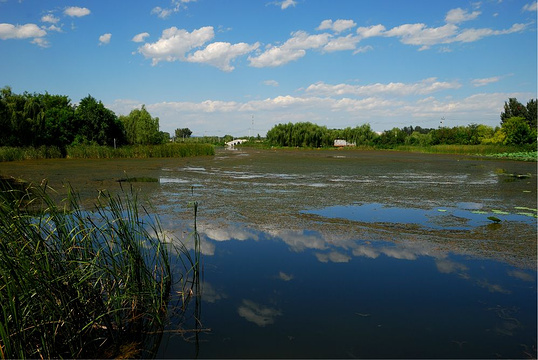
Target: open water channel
{"type": "Point", "coordinates": [342, 254]}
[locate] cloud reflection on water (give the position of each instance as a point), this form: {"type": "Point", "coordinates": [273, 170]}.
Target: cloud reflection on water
{"type": "Point", "coordinates": [258, 314]}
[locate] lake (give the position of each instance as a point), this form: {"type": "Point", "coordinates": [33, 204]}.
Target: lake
{"type": "Point", "coordinates": [341, 253]}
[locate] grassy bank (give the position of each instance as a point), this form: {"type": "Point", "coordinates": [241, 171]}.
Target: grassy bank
{"type": "Point", "coordinates": [81, 284]}
{"type": "Point", "coordinates": [497, 151]}
{"type": "Point", "coordinates": [106, 152]}
{"type": "Point", "coordinates": [521, 153]}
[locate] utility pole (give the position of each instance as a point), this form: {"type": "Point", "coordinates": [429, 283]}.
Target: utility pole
{"type": "Point", "coordinates": [251, 126]}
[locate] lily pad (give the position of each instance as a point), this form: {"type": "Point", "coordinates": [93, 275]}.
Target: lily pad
{"type": "Point", "coordinates": [500, 212]}
{"type": "Point", "coordinates": [441, 210]}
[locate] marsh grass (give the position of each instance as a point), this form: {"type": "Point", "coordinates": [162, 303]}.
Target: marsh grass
{"type": "Point", "coordinates": [80, 284]}
{"type": "Point", "coordinates": [139, 151]}
{"type": "Point", "coordinates": [106, 152]}
{"type": "Point", "coordinates": [29, 153]}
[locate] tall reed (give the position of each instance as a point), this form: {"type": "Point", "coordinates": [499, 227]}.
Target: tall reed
{"type": "Point", "coordinates": [139, 151]}
{"type": "Point", "coordinates": [77, 283]}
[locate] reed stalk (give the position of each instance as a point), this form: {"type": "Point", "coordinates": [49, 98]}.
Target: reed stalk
{"type": "Point", "coordinates": [80, 284]}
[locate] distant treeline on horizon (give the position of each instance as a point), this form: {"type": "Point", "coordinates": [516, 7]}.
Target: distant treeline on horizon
{"type": "Point", "coordinates": [33, 119]}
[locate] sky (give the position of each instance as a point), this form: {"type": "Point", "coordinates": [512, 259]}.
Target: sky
{"type": "Point", "coordinates": [239, 67]}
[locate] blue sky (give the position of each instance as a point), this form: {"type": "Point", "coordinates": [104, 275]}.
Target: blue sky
{"type": "Point", "coordinates": [241, 66]}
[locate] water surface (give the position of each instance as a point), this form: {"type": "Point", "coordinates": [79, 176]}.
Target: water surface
{"type": "Point", "coordinates": [342, 254]}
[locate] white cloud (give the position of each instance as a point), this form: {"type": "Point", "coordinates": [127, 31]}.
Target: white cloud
{"type": "Point", "coordinates": [420, 34]}
{"type": "Point", "coordinates": [105, 39]}
{"type": "Point", "coordinates": [423, 87]}
{"type": "Point", "coordinates": [363, 49]}
{"type": "Point", "coordinates": [75, 11]}
{"type": "Point", "coordinates": [50, 19]}
{"type": "Point", "coordinates": [348, 42]}
{"type": "Point", "coordinates": [53, 28]}
{"type": "Point", "coordinates": [382, 111]}
{"type": "Point", "coordinates": [27, 31]}
{"type": "Point", "coordinates": [294, 48]}
{"type": "Point", "coordinates": [175, 6]}
{"type": "Point", "coordinates": [175, 43]}
{"type": "Point", "coordinates": [531, 7]}
{"type": "Point", "coordinates": [287, 3]}
{"type": "Point", "coordinates": [336, 26]}
{"type": "Point", "coordinates": [456, 16]}
{"type": "Point", "coordinates": [472, 35]}
{"type": "Point", "coordinates": [485, 81]}
{"type": "Point", "coordinates": [41, 42]}
{"type": "Point", "coordinates": [140, 37]}
{"type": "Point", "coordinates": [221, 54]}
{"type": "Point", "coordinates": [271, 83]}
{"type": "Point", "coordinates": [370, 31]}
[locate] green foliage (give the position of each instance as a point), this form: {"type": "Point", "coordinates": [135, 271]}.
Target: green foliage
{"type": "Point", "coordinates": [80, 284]}
{"type": "Point", "coordinates": [517, 131]}
{"type": "Point", "coordinates": [514, 108]}
{"type": "Point", "coordinates": [183, 133]}
{"type": "Point", "coordinates": [96, 124]}
{"type": "Point", "coordinates": [139, 151]}
{"type": "Point", "coordinates": [306, 134]}
{"type": "Point", "coordinates": [141, 128]}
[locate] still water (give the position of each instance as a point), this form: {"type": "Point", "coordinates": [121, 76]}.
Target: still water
{"type": "Point", "coordinates": [342, 254]}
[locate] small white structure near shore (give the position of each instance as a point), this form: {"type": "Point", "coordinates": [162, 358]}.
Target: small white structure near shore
{"type": "Point", "coordinates": [235, 142]}
{"type": "Point", "coordinates": [342, 143]}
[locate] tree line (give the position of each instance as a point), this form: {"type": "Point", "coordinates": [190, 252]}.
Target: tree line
{"type": "Point", "coordinates": [518, 127]}
{"type": "Point", "coordinates": [34, 119]}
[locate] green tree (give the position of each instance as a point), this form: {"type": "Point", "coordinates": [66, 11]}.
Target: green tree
{"type": "Point", "coordinates": [183, 133]}
{"type": "Point", "coordinates": [96, 124]}
{"type": "Point", "coordinates": [141, 128]}
{"type": "Point", "coordinates": [531, 113]}
{"type": "Point", "coordinates": [517, 131]}
{"type": "Point", "coordinates": [513, 108]}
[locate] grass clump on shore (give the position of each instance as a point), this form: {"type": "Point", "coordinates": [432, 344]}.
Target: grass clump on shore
{"type": "Point", "coordinates": [106, 152]}
{"type": "Point", "coordinates": [139, 151]}
{"type": "Point", "coordinates": [77, 283]}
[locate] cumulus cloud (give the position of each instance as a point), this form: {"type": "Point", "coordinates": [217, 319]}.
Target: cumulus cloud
{"type": "Point", "coordinates": [175, 43]}
{"type": "Point", "coordinates": [221, 54]}
{"type": "Point", "coordinates": [175, 6]}
{"type": "Point", "coordinates": [9, 31]}
{"type": "Point", "coordinates": [348, 42]}
{"type": "Point", "coordinates": [459, 15]}
{"type": "Point", "coordinates": [50, 18]}
{"type": "Point", "coordinates": [284, 4]}
{"type": "Point", "coordinates": [294, 48]}
{"type": "Point", "coordinates": [337, 26]}
{"type": "Point", "coordinates": [531, 7]}
{"type": "Point", "coordinates": [370, 31]}
{"type": "Point", "coordinates": [485, 81]}
{"type": "Point", "coordinates": [75, 11]}
{"type": "Point", "coordinates": [271, 83]}
{"type": "Point", "coordinates": [27, 31]}
{"type": "Point", "coordinates": [423, 87]}
{"type": "Point", "coordinates": [140, 37]}
{"type": "Point", "coordinates": [105, 39]}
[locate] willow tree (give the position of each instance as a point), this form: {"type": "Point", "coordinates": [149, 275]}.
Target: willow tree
{"type": "Point", "coordinates": [141, 128]}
